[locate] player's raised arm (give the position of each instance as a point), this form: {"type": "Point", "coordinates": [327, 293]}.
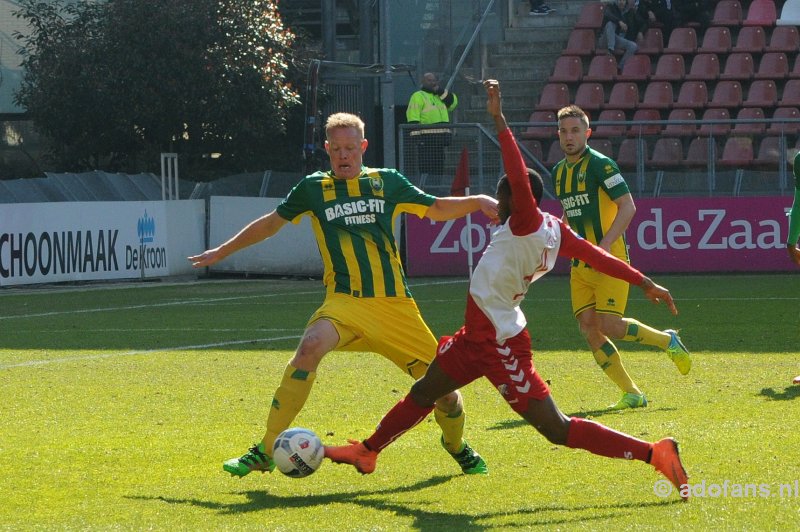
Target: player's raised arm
{"type": "Point", "coordinates": [528, 217]}
{"type": "Point", "coordinates": [254, 232]}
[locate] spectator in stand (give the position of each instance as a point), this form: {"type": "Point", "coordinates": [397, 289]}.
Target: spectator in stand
{"type": "Point", "coordinates": [539, 8]}
{"type": "Point", "coordinates": [636, 19]}
{"type": "Point", "coordinates": [615, 28]}
{"type": "Point", "coordinates": [687, 11]}
{"type": "Point", "coordinates": [651, 13]}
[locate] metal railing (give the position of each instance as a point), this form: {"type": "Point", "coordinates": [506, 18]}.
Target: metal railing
{"type": "Point", "coordinates": [429, 156]}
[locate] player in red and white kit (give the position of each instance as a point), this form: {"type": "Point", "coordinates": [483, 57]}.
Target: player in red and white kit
{"type": "Point", "coordinates": [494, 342]}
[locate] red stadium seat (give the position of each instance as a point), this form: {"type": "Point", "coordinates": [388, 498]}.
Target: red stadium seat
{"type": "Point", "coordinates": [637, 68]}
{"type": "Point", "coordinates": [762, 93]}
{"type": "Point", "coordinates": [676, 129]}
{"type": "Point", "coordinates": [554, 154]}
{"type": "Point", "coordinates": [737, 153]}
{"type": "Point", "coordinates": [641, 115]}
{"type": "Point", "coordinates": [795, 72]}
{"type": "Point", "coordinates": [705, 67]}
{"type": "Point", "coordinates": [591, 16]}
{"type": "Point", "coordinates": [697, 155]}
{"type": "Point", "coordinates": [784, 39]}
{"type": "Point", "coordinates": [751, 39]}
{"type": "Point", "coordinates": [651, 43]}
{"type": "Point", "coordinates": [751, 128]}
{"type": "Point", "coordinates": [717, 40]}
{"type": "Point", "coordinates": [624, 95]}
{"type": "Point", "coordinates": [788, 128]}
{"type": "Point", "coordinates": [627, 154]}
{"type": "Point", "coordinates": [554, 96]}
{"type": "Point", "coordinates": [670, 67]}
{"type": "Point", "coordinates": [791, 94]}
{"type": "Point", "coordinates": [708, 128]}
{"type": "Point", "coordinates": [602, 69]}
{"type": "Point", "coordinates": [773, 65]}
{"type": "Point", "coordinates": [568, 69]}
{"type": "Point", "coordinates": [682, 41]}
{"type": "Point", "coordinates": [615, 129]}
{"type": "Point", "coordinates": [727, 13]}
{"type": "Point", "coordinates": [692, 95]}
{"type": "Point", "coordinates": [727, 94]}
{"type": "Point", "coordinates": [738, 66]}
{"type": "Point", "coordinates": [542, 132]}
{"type": "Point", "coordinates": [590, 96]}
{"type": "Point", "coordinates": [666, 153]}
{"type": "Point", "coordinates": [604, 146]}
{"type": "Point", "coordinates": [581, 42]}
{"type": "Point", "coordinates": [657, 95]}
{"type": "Point", "coordinates": [769, 153]}
{"type": "Point", "coordinates": [535, 147]}
{"type": "Point", "coordinates": [761, 13]}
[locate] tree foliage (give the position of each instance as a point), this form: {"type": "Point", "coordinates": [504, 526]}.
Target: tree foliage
{"type": "Point", "coordinates": [112, 84]}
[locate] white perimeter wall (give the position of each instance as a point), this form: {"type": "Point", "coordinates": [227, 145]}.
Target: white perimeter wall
{"type": "Point", "coordinates": [293, 251]}
{"type": "Point", "coordinates": [81, 241]}
{"type": "Point", "coordinates": [89, 241]}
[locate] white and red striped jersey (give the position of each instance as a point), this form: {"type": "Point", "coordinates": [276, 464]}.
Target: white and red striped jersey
{"type": "Point", "coordinates": [521, 250]}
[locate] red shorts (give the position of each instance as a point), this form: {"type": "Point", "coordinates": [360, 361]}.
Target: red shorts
{"type": "Point", "coordinates": [508, 367]}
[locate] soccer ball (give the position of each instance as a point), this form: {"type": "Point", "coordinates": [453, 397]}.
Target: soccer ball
{"type": "Point", "coordinates": [297, 452]}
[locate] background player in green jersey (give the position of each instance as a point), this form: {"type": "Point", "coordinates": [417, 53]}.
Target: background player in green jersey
{"type": "Point", "coordinates": [794, 224]}
{"type": "Point", "coordinates": [352, 209]}
{"type": "Point", "coordinates": [598, 206]}
{"type": "Point", "coordinates": [794, 216]}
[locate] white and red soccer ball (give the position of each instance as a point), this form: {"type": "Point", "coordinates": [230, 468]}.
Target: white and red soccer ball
{"type": "Point", "coordinates": [298, 452]}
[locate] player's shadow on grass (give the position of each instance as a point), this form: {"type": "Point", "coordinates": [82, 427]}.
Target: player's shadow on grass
{"type": "Point", "coordinates": [385, 500]}
{"type": "Point", "coordinates": [519, 422]}
{"type": "Point", "coordinates": [788, 393]}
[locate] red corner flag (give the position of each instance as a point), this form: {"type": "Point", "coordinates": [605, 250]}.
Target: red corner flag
{"type": "Point", "coordinates": [461, 181]}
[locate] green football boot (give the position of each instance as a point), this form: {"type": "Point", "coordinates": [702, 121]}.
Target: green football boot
{"type": "Point", "coordinates": [471, 462]}
{"type": "Point", "coordinates": [629, 400]}
{"type": "Point", "coordinates": [678, 352]}
{"type": "Point", "coordinates": [253, 460]}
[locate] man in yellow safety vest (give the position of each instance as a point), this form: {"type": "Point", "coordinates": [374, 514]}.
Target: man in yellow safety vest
{"type": "Point", "coordinates": [431, 105]}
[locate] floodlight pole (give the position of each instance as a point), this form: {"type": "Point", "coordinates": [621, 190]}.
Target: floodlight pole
{"type": "Point", "coordinates": [387, 88]}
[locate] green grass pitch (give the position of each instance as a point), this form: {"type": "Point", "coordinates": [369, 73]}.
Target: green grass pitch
{"type": "Point", "coordinates": [119, 403]}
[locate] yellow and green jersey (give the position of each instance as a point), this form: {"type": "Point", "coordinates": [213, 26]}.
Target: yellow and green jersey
{"type": "Point", "coordinates": [352, 221]}
{"type": "Point", "coordinates": [587, 190]}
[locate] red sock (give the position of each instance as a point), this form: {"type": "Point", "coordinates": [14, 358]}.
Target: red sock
{"type": "Point", "coordinates": [401, 418]}
{"type": "Point", "coordinates": [599, 439]}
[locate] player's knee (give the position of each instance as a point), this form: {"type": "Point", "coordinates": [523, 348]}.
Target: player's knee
{"type": "Point", "coordinates": [449, 403]}
{"type": "Point", "coordinates": [310, 352]}
{"type": "Point", "coordinates": [589, 329]}
{"type": "Point", "coordinates": [612, 326]}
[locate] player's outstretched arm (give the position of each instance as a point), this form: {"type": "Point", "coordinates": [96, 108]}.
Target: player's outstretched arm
{"type": "Point", "coordinates": [657, 294]}
{"type": "Point", "coordinates": [573, 246]}
{"type": "Point", "coordinates": [254, 232]}
{"type": "Point", "coordinates": [453, 207]}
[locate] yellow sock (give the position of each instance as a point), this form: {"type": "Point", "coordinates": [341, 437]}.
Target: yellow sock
{"type": "Point", "coordinates": [452, 428]}
{"type": "Point", "coordinates": [289, 399]}
{"type": "Point", "coordinates": [639, 332]}
{"type": "Point", "coordinates": [607, 357]}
